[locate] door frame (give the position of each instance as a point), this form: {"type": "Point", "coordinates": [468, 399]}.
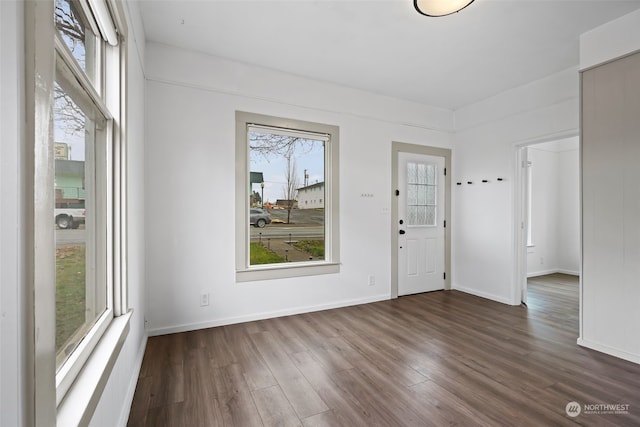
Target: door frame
{"type": "Point", "coordinates": [398, 147]}
{"type": "Point", "coordinates": [520, 211]}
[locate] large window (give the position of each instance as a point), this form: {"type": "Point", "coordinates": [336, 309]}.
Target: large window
{"type": "Point", "coordinates": [287, 222]}
{"type": "Point", "coordinates": [78, 221]}
{"type": "Point", "coordinates": [87, 80]}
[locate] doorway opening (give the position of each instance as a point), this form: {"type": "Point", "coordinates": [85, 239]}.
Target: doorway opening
{"type": "Point", "coordinates": [550, 207]}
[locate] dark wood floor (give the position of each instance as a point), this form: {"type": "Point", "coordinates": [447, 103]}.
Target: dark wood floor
{"type": "Point", "coordinates": [442, 358]}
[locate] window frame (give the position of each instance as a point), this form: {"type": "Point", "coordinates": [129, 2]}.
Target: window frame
{"type": "Point", "coordinates": [331, 263]}
{"type": "Point", "coordinates": [70, 394]}
{"type": "Point", "coordinates": [529, 202]}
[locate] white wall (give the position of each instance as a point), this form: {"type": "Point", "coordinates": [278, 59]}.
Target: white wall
{"type": "Point", "coordinates": [610, 320]}
{"type": "Point", "coordinates": [555, 208]}
{"type": "Point", "coordinates": [114, 405]}
{"type": "Point", "coordinates": [569, 215]}
{"type": "Point", "coordinates": [483, 214]}
{"type": "Point", "coordinates": [12, 326]}
{"type": "Point", "coordinates": [542, 257]}
{"type": "Point", "coordinates": [190, 165]}
{"type": "Point", "coordinates": [612, 40]}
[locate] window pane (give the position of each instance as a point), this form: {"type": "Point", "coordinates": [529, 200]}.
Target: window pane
{"type": "Point", "coordinates": [430, 215]}
{"type": "Point", "coordinates": [77, 35]}
{"type": "Point", "coordinates": [412, 174]}
{"type": "Point", "coordinates": [412, 194]}
{"type": "Point", "coordinates": [412, 215]}
{"type": "Point", "coordinates": [422, 174]}
{"type": "Point", "coordinates": [422, 195]}
{"type": "Point", "coordinates": [430, 195]}
{"type": "Point", "coordinates": [286, 197]}
{"type": "Point", "coordinates": [81, 293]}
{"type": "Point", "coordinates": [430, 174]}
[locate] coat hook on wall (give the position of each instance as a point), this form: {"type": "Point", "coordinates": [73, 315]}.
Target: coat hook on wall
{"type": "Point", "coordinates": [458, 183]}
{"type": "Point", "coordinates": [500, 179]}
{"type": "Point", "coordinates": [469, 182]}
{"type": "Point", "coordinates": [485, 180]}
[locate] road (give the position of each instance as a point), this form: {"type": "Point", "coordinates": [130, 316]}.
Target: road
{"type": "Point", "coordinates": [70, 237]}
{"type": "Point", "coordinates": [277, 231]}
{"type": "Point", "coordinates": [273, 231]}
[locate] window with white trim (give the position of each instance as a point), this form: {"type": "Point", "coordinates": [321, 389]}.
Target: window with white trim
{"type": "Point", "coordinates": [78, 202]}
{"type": "Point", "coordinates": [286, 197]}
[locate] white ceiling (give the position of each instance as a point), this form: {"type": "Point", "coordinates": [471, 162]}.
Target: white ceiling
{"type": "Point", "coordinates": [385, 46]}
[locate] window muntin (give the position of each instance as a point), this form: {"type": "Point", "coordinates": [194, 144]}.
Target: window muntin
{"type": "Point", "coordinates": [421, 194]}
{"type": "Point", "coordinates": [291, 227]}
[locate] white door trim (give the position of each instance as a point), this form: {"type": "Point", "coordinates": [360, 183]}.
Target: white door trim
{"type": "Point", "coordinates": [397, 147]}
{"type": "Point", "coordinates": [519, 212]}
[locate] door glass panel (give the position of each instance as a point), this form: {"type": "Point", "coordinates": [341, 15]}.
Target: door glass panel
{"type": "Point", "coordinates": [421, 194]}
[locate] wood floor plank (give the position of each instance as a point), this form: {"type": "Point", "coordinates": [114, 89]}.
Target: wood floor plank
{"type": "Point", "coordinates": [255, 370]}
{"type": "Point", "coordinates": [347, 409]}
{"type": "Point", "coordinates": [440, 358]}
{"type": "Point", "coordinates": [201, 405]}
{"type": "Point", "coordinates": [320, 345]}
{"type": "Point", "coordinates": [140, 404]}
{"type": "Point", "coordinates": [303, 397]}
{"type": "Point", "coordinates": [324, 419]}
{"type": "Point", "coordinates": [274, 408]}
{"type": "Point", "coordinates": [455, 411]}
{"type": "Point", "coordinates": [236, 401]}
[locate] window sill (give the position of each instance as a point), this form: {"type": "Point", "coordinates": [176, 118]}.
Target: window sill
{"type": "Point", "coordinates": [290, 270]}
{"type": "Point", "coordinates": [82, 398]}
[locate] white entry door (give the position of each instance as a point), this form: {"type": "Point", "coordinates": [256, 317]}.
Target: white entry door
{"type": "Point", "coordinates": [421, 217]}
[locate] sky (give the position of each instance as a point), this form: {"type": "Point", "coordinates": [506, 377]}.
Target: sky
{"type": "Point", "coordinates": [274, 169]}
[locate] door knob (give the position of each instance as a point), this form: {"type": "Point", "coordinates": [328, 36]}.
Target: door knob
{"type": "Point", "coordinates": [402, 231]}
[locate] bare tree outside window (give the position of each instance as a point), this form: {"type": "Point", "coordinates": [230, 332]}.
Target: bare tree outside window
{"type": "Point", "coordinates": [290, 188]}
{"type": "Point", "coordinates": [72, 25]}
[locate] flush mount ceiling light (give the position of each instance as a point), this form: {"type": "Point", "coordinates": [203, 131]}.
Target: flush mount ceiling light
{"type": "Point", "coordinates": [440, 7]}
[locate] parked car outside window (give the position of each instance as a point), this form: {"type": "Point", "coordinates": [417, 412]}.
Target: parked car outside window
{"type": "Point", "coordinates": [259, 217]}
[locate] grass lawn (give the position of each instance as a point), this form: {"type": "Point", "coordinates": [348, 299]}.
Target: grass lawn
{"type": "Point", "coordinates": [70, 292]}
{"type": "Point", "coordinates": [258, 254]}
{"type": "Point", "coordinates": [314, 247]}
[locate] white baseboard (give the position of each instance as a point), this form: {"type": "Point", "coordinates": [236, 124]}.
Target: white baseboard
{"type": "Point", "coordinates": [552, 271]}
{"type": "Point", "coordinates": [260, 316]}
{"type": "Point", "coordinates": [621, 354]}
{"type": "Point", "coordinates": [131, 390]}
{"type": "Point", "coordinates": [481, 294]}
{"type": "Point", "coordinates": [569, 272]}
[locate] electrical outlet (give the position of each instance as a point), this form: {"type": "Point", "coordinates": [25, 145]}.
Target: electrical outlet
{"type": "Point", "coordinates": [541, 260]}
{"type": "Point", "coordinates": [372, 280]}
{"type": "Point", "coordinates": [204, 299]}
